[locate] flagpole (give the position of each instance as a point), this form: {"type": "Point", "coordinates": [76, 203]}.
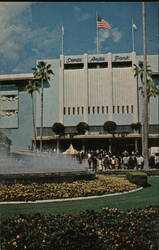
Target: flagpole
{"type": "Point", "coordinates": [97, 33]}
{"type": "Point", "coordinates": [62, 35]}
{"type": "Point", "coordinates": [133, 40]}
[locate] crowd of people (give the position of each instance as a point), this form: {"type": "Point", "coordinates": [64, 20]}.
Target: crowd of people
{"type": "Point", "coordinates": [100, 160]}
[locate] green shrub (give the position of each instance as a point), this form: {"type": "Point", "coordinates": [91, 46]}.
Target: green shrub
{"type": "Point", "coordinates": [152, 172]}
{"type": "Point", "coordinates": [138, 178]}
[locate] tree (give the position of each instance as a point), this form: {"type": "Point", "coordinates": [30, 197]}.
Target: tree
{"type": "Point", "coordinates": [152, 90]}
{"type": "Point", "coordinates": [59, 129]}
{"type": "Point", "coordinates": [82, 127]}
{"type": "Point", "coordinates": [148, 89]}
{"type": "Point", "coordinates": [31, 87]}
{"type": "Point", "coordinates": [110, 126]}
{"type": "Point", "coordinates": [136, 126]}
{"type": "Point", "coordinates": [42, 73]}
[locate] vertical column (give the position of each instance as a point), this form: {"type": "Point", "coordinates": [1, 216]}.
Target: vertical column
{"type": "Point", "coordinates": [86, 98]}
{"type": "Point", "coordinates": [110, 79]}
{"type": "Point", "coordinates": [61, 89]}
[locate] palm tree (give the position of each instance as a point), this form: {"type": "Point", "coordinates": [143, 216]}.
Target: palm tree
{"type": "Point", "coordinates": [150, 91]}
{"type": "Point", "coordinates": [59, 129]}
{"type": "Point", "coordinates": [42, 72]}
{"type": "Point", "coordinates": [31, 87]}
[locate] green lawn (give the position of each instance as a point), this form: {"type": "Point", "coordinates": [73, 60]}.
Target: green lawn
{"type": "Point", "coordinates": [147, 197]}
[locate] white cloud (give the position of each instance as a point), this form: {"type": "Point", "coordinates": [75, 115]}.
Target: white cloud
{"type": "Point", "coordinates": [17, 38]}
{"type": "Point", "coordinates": [12, 25]}
{"type": "Point", "coordinates": [104, 34]}
{"type": "Point", "coordinates": [80, 14]}
{"type": "Point", "coordinates": [23, 67]}
{"type": "Point", "coordinates": [116, 34]}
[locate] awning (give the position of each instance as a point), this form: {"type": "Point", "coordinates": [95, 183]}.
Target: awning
{"type": "Point", "coordinates": [71, 151]}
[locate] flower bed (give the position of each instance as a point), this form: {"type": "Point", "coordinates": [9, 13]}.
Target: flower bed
{"type": "Point", "coordinates": [99, 186]}
{"type": "Point", "coordinates": [109, 229]}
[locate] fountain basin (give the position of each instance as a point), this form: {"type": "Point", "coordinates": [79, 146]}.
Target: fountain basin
{"type": "Point", "coordinates": [28, 168]}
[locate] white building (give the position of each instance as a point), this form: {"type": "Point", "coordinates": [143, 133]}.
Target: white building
{"type": "Point", "coordinates": [93, 89]}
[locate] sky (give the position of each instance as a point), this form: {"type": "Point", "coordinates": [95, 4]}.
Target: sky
{"type": "Point", "coordinates": [30, 31]}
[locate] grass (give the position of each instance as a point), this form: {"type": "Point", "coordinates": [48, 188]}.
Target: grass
{"type": "Point", "coordinates": [147, 197]}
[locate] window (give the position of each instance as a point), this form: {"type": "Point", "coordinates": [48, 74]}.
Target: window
{"type": "Point", "coordinates": [121, 64]}
{"type": "Point", "coordinates": [98, 110]}
{"type": "Point", "coordinates": [102, 109]}
{"type": "Point", "coordinates": [64, 111]}
{"type": "Point", "coordinates": [89, 110]}
{"type": "Point", "coordinates": [127, 109]}
{"type": "Point", "coordinates": [132, 109]}
{"type": "Point", "coordinates": [78, 110]}
{"type": "Point", "coordinates": [69, 109]}
{"type": "Point", "coordinates": [73, 110]}
{"type": "Point", "coordinates": [82, 108]}
{"type": "Point", "coordinates": [107, 109]}
{"type": "Point", "coordinates": [97, 65]}
{"type": "Point", "coordinates": [93, 110]}
{"type": "Point", "coordinates": [123, 109]}
{"type": "Point", "coordinates": [118, 109]}
{"type": "Point", "coordinates": [74, 66]}
{"type": "Point", "coordinates": [113, 109]}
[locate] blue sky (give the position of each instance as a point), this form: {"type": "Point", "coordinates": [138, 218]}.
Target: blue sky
{"type": "Point", "coordinates": [31, 30]}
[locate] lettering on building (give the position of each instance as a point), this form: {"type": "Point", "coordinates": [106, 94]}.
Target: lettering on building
{"type": "Point", "coordinates": [73, 60]}
{"type": "Point", "coordinates": [122, 58]}
{"type": "Point", "coordinates": [97, 59]}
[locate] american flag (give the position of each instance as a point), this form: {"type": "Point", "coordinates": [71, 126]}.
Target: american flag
{"type": "Point", "coordinates": [102, 24]}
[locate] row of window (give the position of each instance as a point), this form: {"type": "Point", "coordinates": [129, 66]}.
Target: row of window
{"type": "Point", "coordinates": [99, 110]}
{"type": "Point", "coordinates": [99, 65]}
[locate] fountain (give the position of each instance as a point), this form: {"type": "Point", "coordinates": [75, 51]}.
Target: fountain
{"type": "Point", "coordinates": [26, 168]}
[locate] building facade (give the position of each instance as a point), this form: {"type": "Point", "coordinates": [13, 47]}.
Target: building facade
{"type": "Point", "coordinates": [84, 88]}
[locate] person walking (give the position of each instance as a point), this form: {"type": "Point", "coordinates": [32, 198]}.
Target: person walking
{"type": "Point", "coordinates": [94, 162]}
{"type": "Point", "coordinates": [140, 162]}
{"type": "Point", "coordinates": [100, 168]}
{"type": "Point", "coordinates": [113, 162]}
{"type": "Point", "coordinates": [89, 156]}
{"type": "Point", "coordinates": [132, 162]}
{"type": "Point", "coordinates": [117, 162]}
{"type": "Point", "coordinates": [106, 162]}
{"type": "Point", "coordinates": [157, 160]}
{"type": "Point", "coordinates": [125, 161]}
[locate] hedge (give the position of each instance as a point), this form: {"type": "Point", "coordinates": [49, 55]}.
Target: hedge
{"type": "Point", "coordinates": [139, 178]}
{"type": "Point", "coordinates": [150, 172]}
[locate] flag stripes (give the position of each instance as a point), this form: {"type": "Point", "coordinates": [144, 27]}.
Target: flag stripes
{"type": "Point", "coordinates": [102, 24]}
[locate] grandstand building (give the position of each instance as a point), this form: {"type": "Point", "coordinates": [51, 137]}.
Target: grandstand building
{"type": "Point", "coordinates": [84, 88]}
